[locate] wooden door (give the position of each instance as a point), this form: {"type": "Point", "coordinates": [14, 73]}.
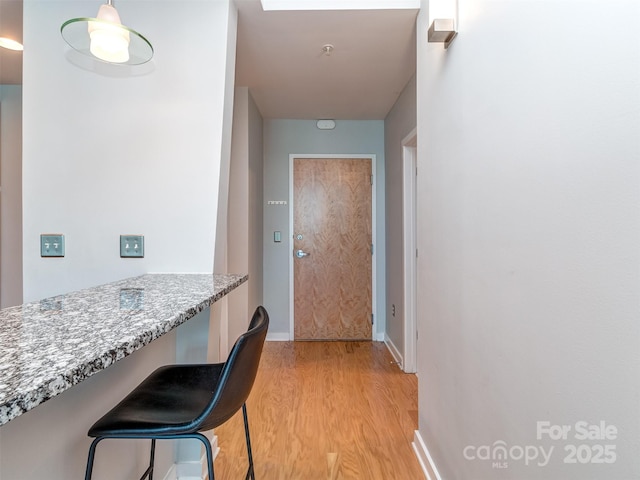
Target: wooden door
{"type": "Point", "coordinates": [332, 225]}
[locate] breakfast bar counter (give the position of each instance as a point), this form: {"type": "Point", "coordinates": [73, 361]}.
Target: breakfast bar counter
{"type": "Point", "coordinates": [49, 346]}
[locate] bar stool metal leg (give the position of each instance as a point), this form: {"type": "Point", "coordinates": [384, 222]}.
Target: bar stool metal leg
{"type": "Point", "coordinates": [149, 471]}
{"type": "Point", "coordinates": [250, 473]}
{"type": "Point", "coordinates": [92, 454]}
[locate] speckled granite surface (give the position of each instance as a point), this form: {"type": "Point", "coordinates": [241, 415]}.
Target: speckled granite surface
{"type": "Point", "coordinates": [51, 345]}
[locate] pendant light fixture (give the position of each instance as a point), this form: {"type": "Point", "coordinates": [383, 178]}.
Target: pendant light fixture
{"type": "Point", "coordinates": [106, 39]}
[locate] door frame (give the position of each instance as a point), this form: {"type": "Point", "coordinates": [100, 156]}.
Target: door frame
{"type": "Point", "coordinates": [410, 253]}
{"type": "Point", "coordinates": [365, 156]}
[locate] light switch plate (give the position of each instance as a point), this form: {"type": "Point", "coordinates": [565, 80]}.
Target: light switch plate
{"type": "Point", "coordinates": [132, 246]}
{"type": "Point", "coordinates": [51, 245]}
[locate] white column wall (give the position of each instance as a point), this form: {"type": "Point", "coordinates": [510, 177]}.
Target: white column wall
{"type": "Point", "coordinates": [220, 311]}
{"type": "Point", "coordinates": [245, 211]}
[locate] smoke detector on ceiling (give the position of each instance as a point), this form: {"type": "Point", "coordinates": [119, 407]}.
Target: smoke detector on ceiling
{"type": "Point", "coordinates": [327, 49]}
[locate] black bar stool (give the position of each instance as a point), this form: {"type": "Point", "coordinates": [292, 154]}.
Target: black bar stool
{"type": "Point", "coordinates": [180, 401]}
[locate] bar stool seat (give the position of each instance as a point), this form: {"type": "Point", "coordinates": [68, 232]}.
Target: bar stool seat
{"type": "Point", "coordinates": [169, 401]}
{"type": "Point", "coordinates": [180, 401]}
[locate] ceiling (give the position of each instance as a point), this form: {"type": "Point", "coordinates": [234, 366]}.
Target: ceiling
{"type": "Point", "coordinates": [280, 59]}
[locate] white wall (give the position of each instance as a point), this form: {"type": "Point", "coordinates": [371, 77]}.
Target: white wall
{"type": "Point", "coordinates": [219, 311]}
{"type": "Point", "coordinates": [107, 151]}
{"type": "Point", "coordinates": [245, 211]}
{"type": "Point", "coordinates": [400, 122]}
{"type": "Point", "coordinates": [11, 196]}
{"type": "Point", "coordinates": [117, 151]}
{"type": "Point", "coordinates": [284, 137]}
{"type": "Point", "coordinates": [256, 196]}
{"type": "Point", "coordinates": [528, 233]}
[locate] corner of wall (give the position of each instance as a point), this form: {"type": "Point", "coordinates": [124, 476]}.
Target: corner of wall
{"type": "Point", "coordinates": [11, 278]}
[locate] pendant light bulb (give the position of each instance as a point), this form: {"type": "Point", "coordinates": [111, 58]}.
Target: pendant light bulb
{"type": "Point", "coordinates": [109, 39]}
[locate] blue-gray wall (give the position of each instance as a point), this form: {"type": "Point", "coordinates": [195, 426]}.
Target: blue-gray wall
{"type": "Point", "coordinates": [285, 137]}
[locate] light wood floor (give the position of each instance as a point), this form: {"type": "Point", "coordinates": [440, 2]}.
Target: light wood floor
{"type": "Point", "coordinates": [325, 410]}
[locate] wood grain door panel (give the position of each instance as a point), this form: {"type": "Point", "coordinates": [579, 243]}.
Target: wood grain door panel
{"type": "Point", "coordinates": [332, 213]}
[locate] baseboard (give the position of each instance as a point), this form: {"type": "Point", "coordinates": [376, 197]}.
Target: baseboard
{"type": "Point", "coordinates": [395, 353]}
{"type": "Point", "coordinates": [189, 470]}
{"type": "Point", "coordinates": [196, 470]}
{"type": "Point", "coordinates": [424, 457]}
{"type": "Point", "coordinates": [278, 337]}
{"type": "Point", "coordinates": [172, 474]}
{"type": "Point", "coordinates": [284, 337]}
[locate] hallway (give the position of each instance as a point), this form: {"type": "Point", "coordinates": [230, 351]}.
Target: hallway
{"type": "Point", "coordinates": [326, 410]}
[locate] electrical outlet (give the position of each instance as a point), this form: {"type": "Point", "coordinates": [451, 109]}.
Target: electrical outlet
{"type": "Point", "coordinates": [131, 246]}
{"type": "Point", "coordinates": [51, 245]}
{"type": "Point", "coordinates": [132, 299]}
{"type": "Point", "coordinates": [51, 304]}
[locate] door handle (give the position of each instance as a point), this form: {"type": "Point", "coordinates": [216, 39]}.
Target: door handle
{"type": "Point", "coordinates": [300, 254]}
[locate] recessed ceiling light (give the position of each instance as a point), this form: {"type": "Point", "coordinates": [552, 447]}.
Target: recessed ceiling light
{"type": "Point", "coordinates": [10, 44]}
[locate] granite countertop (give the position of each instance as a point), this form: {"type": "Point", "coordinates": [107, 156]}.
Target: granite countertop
{"type": "Point", "coordinates": [50, 345]}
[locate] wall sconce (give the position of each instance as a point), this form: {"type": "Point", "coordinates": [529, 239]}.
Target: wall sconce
{"type": "Point", "coordinates": [442, 30]}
